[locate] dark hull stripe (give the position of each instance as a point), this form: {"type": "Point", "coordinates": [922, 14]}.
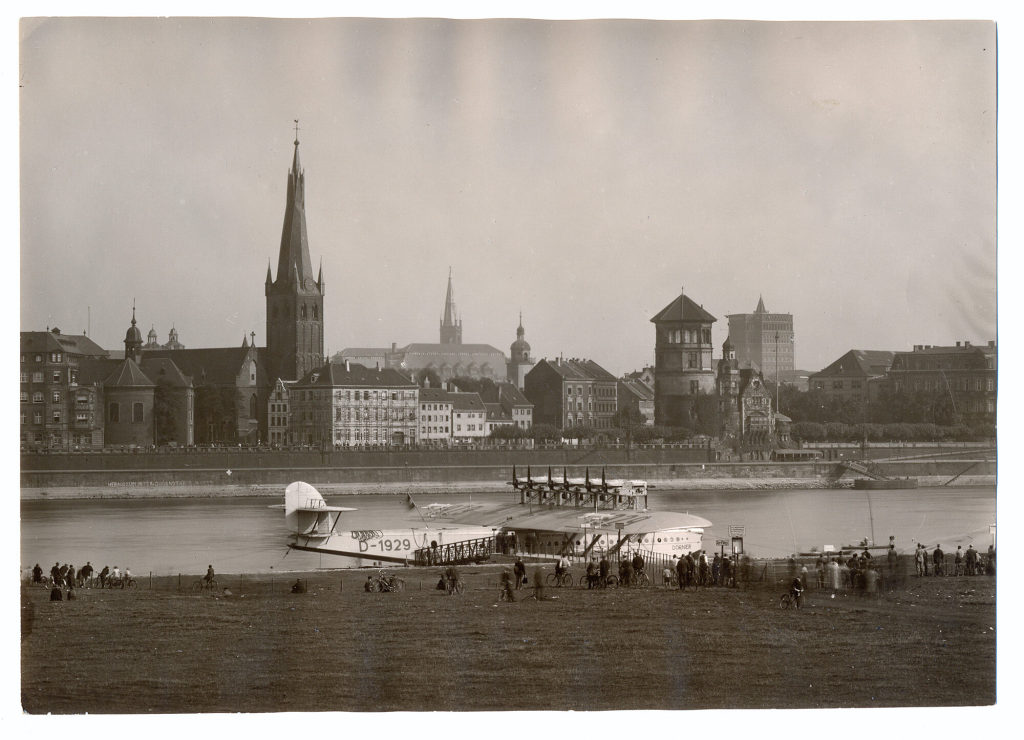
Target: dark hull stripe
{"type": "Point", "coordinates": [359, 555]}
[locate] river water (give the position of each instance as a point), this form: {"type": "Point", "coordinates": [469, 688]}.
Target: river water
{"type": "Point", "coordinates": [244, 535]}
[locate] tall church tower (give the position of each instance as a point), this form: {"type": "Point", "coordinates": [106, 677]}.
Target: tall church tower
{"type": "Point", "coordinates": [295, 299]}
{"type": "Point", "coordinates": [451, 328]}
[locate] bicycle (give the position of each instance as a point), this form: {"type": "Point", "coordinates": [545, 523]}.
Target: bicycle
{"type": "Point", "coordinates": [640, 580]}
{"type": "Point", "coordinates": [506, 594]}
{"type": "Point", "coordinates": [204, 585]}
{"type": "Point", "coordinates": [388, 584]}
{"type": "Point", "coordinates": [454, 586]}
{"type": "Point", "coordinates": [608, 581]}
{"type": "Point", "coordinates": [790, 599]}
{"type": "Point", "coordinates": [558, 580]}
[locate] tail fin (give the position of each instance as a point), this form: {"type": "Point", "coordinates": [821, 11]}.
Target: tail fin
{"type": "Point", "coordinates": [299, 495]}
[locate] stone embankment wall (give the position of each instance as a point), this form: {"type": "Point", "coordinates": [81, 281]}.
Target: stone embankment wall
{"type": "Point", "coordinates": [482, 469]}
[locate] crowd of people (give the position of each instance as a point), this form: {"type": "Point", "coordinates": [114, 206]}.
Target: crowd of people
{"type": "Point", "coordinates": [65, 579]}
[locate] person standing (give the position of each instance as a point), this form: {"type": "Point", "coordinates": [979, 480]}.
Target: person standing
{"type": "Point", "coordinates": [938, 557]}
{"type": "Point", "coordinates": [603, 568]}
{"type": "Point", "coordinates": [891, 561]}
{"type": "Point", "coordinates": [681, 573]}
{"type": "Point", "coordinates": [592, 573]}
{"type": "Point", "coordinates": [971, 559]}
{"type": "Point", "coordinates": [520, 571]}
{"type": "Point", "coordinates": [69, 577]}
{"type": "Point", "coordinates": [958, 561]}
{"type": "Point", "coordinates": [919, 560]}
{"type": "Point", "coordinates": [37, 574]}
{"type": "Point", "coordinates": [103, 576]}
{"type": "Point", "coordinates": [834, 575]}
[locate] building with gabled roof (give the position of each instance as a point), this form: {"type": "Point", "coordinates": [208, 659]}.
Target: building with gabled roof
{"type": "Point", "coordinates": [850, 376]}
{"type": "Point", "coordinates": [637, 395]}
{"type": "Point", "coordinates": [572, 393]}
{"type": "Point", "coordinates": [350, 405]}
{"type": "Point", "coordinates": [469, 417]}
{"type": "Point", "coordinates": [61, 405]}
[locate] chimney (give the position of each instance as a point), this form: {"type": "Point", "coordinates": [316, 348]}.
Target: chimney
{"type": "Point", "coordinates": [991, 342]}
{"type": "Point", "coordinates": [917, 347]}
{"type": "Point", "coordinates": [378, 366]}
{"type": "Point", "coordinates": [958, 344]}
{"type": "Point", "coordinates": [348, 369]}
{"type": "Point", "coordinates": [967, 344]}
{"type": "Point", "coordinates": [394, 346]}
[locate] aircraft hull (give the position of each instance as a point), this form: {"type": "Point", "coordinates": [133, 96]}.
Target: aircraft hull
{"type": "Point", "coordinates": [380, 547]}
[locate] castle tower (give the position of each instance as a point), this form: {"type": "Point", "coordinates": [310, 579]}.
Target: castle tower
{"type": "Point", "coordinates": [520, 362]}
{"type": "Point", "coordinates": [451, 327]}
{"type": "Point", "coordinates": [682, 359]}
{"type": "Point", "coordinates": [295, 298]}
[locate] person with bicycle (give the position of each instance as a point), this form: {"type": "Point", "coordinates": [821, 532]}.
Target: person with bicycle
{"type": "Point", "coordinates": [603, 567]}
{"type": "Point", "coordinates": [796, 590]}
{"type": "Point", "coordinates": [104, 577]}
{"type": "Point", "coordinates": [638, 565]}
{"type": "Point", "coordinates": [207, 579]}
{"type": "Point", "coordinates": [451, 577]}
{"type": "Point", "coordinates": [115, 577]}
{"type": "Point", "coordinates": [561, 567]}
{"type": "Point", "coordinates": [592, 573]}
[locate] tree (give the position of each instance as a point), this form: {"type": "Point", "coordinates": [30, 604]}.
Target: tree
{"type": "Point", "coordinates": [167, 409]}
{"type": "Point", "coordinates": [544, 432]}
{"type": "Point", "coordinates": [629, 420]}
{"type": "Point", "coordinates": [427, 374]}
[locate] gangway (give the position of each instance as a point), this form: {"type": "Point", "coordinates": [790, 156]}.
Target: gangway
{"type": "Point", "coordinates": [861, 467]}
{"type": "Point", "coordinates": [456, 553]}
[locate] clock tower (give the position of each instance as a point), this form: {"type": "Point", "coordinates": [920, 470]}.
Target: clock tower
{"type": "Point", "coordinates": [295, 298]}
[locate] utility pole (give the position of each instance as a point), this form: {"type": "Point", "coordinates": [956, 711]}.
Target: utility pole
{"type": "Point", "coordinates": [776, 372]}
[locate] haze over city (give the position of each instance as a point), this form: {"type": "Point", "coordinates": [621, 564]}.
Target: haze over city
{"type": "Point", "coordinates": [579, 172]}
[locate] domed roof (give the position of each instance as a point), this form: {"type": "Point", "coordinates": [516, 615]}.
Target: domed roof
{"type": "Point", "coordinates": [133, 335]}
{"type": "Point", "coordinates": [520, 348]}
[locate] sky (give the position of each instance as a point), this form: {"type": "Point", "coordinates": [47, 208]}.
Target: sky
{"type": "Point", "coordinates": [581, 172]}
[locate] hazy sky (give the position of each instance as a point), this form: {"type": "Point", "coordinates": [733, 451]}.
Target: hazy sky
{"type": "Point", "coordinates": [579, 171]}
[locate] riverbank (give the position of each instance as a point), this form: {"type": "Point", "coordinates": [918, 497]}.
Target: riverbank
{"type": "Point", "coordinates": [155, 490]}
{"type": "Point", "coordinates": [338, 648]}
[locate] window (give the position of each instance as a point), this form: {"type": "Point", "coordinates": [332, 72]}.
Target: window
{"type": "Point", "coordinates": [37, 397]}
{"type": "Point", "coordinates": [56, 376]}
{"type": "Point", "coordinates": [24, 396]}
{"type": "Point", "coordinates": [137, 412]}
{"type": "Point", "coordinates": [24, 377]}
{"type": "Point", "coordinates": [37, 418]}
{"type": "Point", "coordinates": [56, 416]}
{"type": "Point", "coordinates": [39, 358]}
{"type": "Point", "coordinates": [37, 377]}
{"type": "Point", "coordinates": [56, 397]}
{"type": "Point", "coordinates": [694, 387]}
{"type": "Point", "coordinates": [837, 385]}
{"type": "Point", "coordinates": [24, 416]}
{"type": "Point", "coordinates": [81, 416]}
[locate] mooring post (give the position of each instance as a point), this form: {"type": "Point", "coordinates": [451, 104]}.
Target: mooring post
{"type": "Point", "coordinates": [150, 580]}
{"type": "Point", "coordinates": [179, 581]}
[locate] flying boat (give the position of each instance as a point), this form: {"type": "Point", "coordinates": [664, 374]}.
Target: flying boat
{"type": "Point", "coordinates": [578, 517]}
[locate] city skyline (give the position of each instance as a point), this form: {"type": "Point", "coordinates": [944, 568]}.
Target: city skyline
{"type": "Point", "coordinates": [579, 172]}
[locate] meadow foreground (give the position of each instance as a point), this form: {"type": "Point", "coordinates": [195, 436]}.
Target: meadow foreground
{"type": "Point", "coordinates": [336, 647]}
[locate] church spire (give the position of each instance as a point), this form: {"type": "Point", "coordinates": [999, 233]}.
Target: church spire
{"type": "Point", "coordinates": [760, 306]}
{"type": "Point", "coordinates": [451, 326]}
{"type": "Point", "coordinates": [293, 262]}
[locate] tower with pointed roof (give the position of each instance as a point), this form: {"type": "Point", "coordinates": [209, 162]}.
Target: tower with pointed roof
{"type": "Point", "coordinates": [451, 324]}
{"type": "Point", "coordinates": [682, 359]}
{"type": "Point", "coordinates": [295, 297]}
{"type": "Point", "coordinates": [519, 360]}
{"type": "Point", "coordinates": [764, 338]}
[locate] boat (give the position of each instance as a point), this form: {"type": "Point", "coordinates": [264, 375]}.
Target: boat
{"type": "Point", "coordinates": [884, 484]}
{"type": "Point", "coordinates": [578, 517]}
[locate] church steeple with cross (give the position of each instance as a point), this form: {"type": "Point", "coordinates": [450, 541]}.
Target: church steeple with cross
{"type": "Point", "coordinates": [295, 297]}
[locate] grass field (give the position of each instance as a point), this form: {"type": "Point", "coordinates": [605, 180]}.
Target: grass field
{"type": "Point", "coordinates": [339, 648]}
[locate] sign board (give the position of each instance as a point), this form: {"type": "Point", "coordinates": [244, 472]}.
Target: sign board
{"type": "Point", "coordinates": [736, 530]}
{"type": "Point", "coordinates": [828, 548]}
{"type": "Point", "coordinates": [720, 543]}
{"type": "Point", "coordinates": [737, 545]}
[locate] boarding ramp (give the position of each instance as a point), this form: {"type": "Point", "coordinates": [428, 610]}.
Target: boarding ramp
{"type": "Point", "coordinates": [456, 553]}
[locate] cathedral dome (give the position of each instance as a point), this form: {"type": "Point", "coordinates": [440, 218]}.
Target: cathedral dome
{"type": "Point", "coordinates": [519, 350]}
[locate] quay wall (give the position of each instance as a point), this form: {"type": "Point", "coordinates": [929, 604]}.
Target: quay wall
{"type": "Point", "coordinates": [484, 475]}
